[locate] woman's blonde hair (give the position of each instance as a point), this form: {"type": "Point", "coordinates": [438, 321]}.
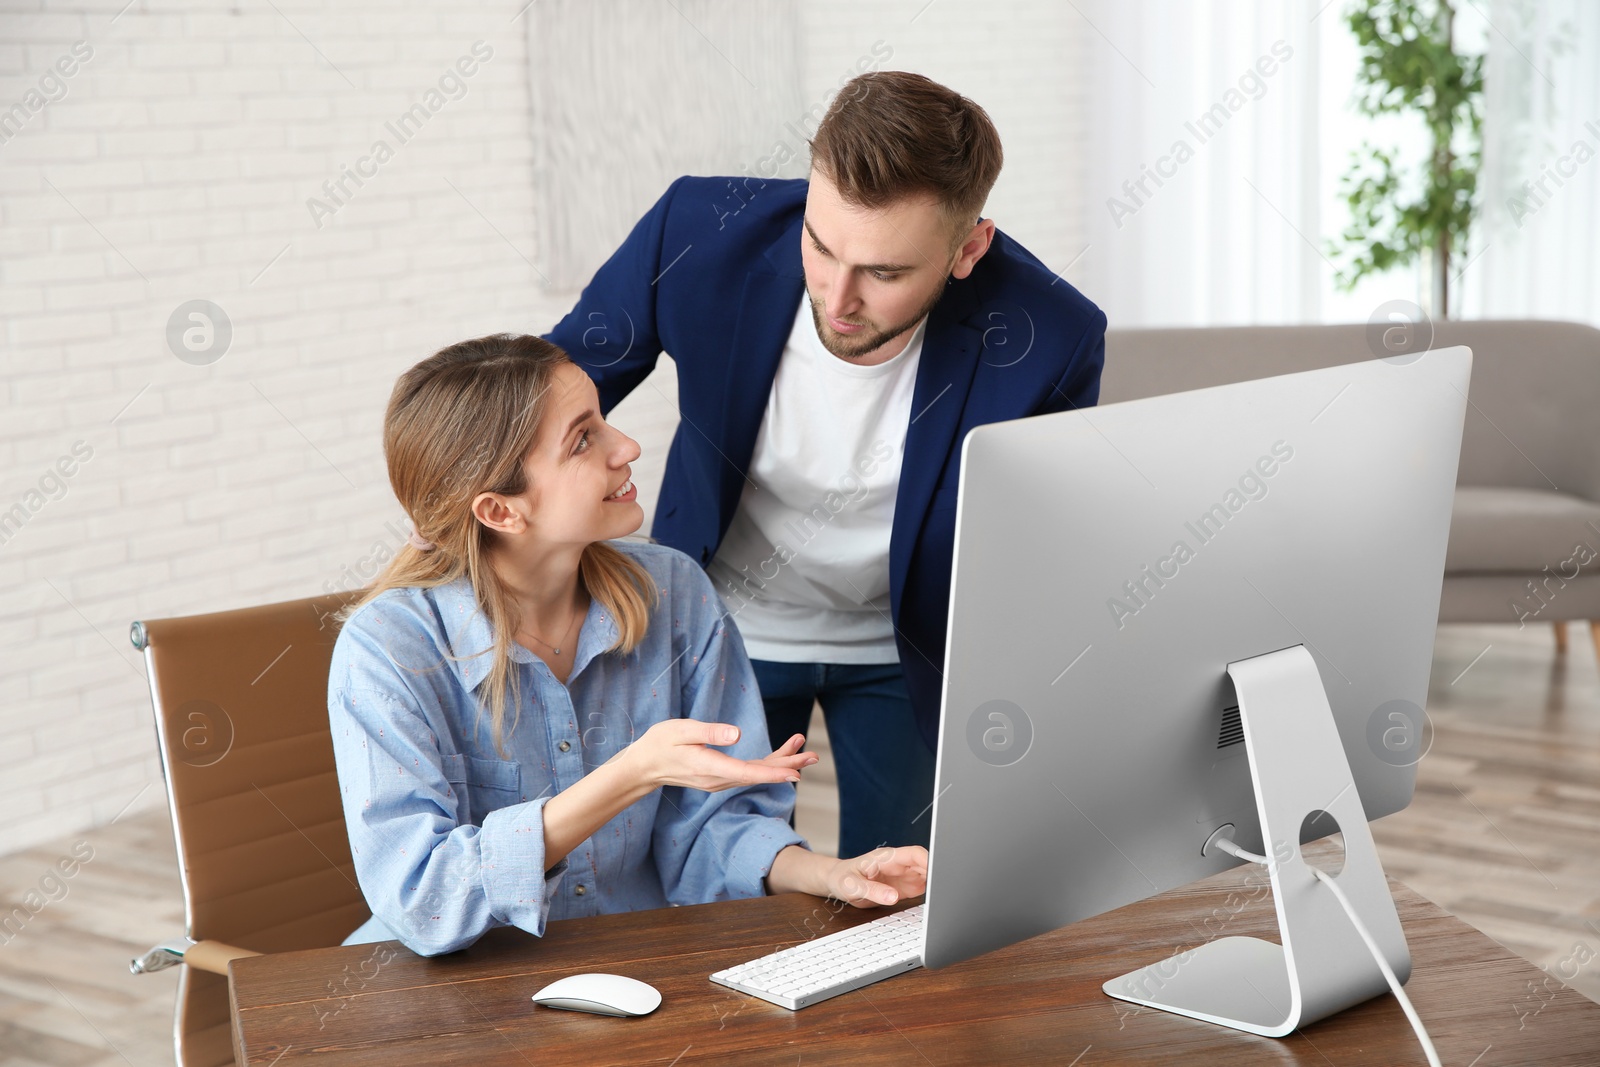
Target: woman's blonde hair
{"type": "Point", "coordinates": [459, 424]}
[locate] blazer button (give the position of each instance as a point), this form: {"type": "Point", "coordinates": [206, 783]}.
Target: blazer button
{"type": "Point", "coordinates": [564, 746]}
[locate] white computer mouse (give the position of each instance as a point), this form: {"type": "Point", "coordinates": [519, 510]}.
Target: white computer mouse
{"type": "Point", "coordinates": [602, 994]}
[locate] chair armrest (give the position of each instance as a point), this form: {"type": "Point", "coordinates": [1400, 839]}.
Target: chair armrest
{"type": "Point", "coordinates": [212, 956]}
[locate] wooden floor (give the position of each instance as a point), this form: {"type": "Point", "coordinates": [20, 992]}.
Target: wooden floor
{"type": "Point", "coordinates": [66, 997]}
{"type": "Point", "coordinates": [1504, 831]}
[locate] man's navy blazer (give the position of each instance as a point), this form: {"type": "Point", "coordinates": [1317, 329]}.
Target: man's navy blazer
{"type": "Point", "coordinates": [712, 275]}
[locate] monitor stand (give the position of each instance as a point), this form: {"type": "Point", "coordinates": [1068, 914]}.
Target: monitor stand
{"type": "Point", "coordinates": [1298, 766]}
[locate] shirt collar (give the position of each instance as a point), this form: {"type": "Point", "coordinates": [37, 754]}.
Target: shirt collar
{"type": "Point", "coordinates": [472, 642]}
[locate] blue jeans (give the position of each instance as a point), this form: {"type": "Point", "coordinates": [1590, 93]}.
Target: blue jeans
{"type": "Point", "coordinates": [885, 768]}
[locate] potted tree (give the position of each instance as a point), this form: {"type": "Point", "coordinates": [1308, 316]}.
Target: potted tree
{"type": "Point", "coordinates": [1410, 65]}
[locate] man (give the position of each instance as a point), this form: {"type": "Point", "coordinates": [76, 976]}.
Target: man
{"type": "Point", "coordinates": [835, 339]}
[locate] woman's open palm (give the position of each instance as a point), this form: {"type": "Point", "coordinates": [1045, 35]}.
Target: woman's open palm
{"type": "Point", "coordinates": [681, 752]}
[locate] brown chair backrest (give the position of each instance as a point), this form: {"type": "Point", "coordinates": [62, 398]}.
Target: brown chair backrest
{"type": "Point", "coordinates": [241, 710]}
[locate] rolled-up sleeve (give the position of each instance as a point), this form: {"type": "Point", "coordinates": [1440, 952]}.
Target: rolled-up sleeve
{"type": "Point", "coordinates": [717, 846]}
{"type": "Point", "coordinates": [437, 883]}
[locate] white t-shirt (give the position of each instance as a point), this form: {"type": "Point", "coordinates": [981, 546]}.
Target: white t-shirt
{"type": "Point", "coordinates": [804, 567]}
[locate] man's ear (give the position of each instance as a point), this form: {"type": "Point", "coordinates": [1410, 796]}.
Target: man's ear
{"type": "Point", "coordinates": [972, 248]}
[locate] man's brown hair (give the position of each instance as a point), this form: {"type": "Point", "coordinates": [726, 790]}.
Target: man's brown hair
{"type": "Point", "coordinates": [892, 134]}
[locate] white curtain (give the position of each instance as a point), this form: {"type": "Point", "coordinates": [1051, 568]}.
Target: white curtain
{"type": "Point", "coordinates": [1202, 153]}
{"type": "Point", "coordinates": [1536, 245]}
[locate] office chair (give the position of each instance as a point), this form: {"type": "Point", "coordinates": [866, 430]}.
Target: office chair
{"type": "Point", "coordinates": [241, 713]}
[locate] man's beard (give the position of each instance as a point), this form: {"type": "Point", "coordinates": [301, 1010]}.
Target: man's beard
{"type": "Point", "coordinates": [856, 347]}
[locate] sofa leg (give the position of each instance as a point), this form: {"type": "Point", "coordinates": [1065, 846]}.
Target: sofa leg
{"type": "Point", "coordinates": [1561, 637]}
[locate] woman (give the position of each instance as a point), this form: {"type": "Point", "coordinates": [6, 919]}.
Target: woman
{"type": "Point", "coordinates": [620, 673]}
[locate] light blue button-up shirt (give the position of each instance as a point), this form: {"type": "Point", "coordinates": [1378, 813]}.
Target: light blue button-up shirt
{"type": "Point", "coordinates": [448, 836]}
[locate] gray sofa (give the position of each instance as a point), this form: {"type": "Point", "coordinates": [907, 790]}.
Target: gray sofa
{"type": "Point", "coordinates": [1527, 510]}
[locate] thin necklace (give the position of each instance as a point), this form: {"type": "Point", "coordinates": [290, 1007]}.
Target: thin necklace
{"type": "Point", "coordinates": [547, 644]}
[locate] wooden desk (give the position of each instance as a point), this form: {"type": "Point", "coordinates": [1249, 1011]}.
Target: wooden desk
{"type": "Point", "coordinates": [1036, 1002]}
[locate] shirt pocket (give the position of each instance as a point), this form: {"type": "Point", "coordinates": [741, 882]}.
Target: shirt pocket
{"type": "Point", "coordinates": [484, 785]}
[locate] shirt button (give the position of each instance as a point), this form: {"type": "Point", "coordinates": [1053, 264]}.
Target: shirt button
{"type": "Point", "coordinates": [564, 746]}
{"type": "Point", "coordinates": [580, 890]}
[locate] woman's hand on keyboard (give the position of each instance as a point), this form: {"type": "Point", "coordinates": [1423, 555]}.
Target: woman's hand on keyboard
{"type": "Point", "coordinates": [678, 752]}
{"type": "Point", "coordinates": [880, 877]}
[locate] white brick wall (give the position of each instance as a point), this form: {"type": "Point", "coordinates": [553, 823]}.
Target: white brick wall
{"type": "Point", "coordinates": [1023, 60]}
{"type": "Point", "coordinates": [177, 166]}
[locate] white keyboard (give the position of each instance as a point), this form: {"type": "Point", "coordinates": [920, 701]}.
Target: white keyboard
{"type": "Point", "coordinates": [824, 967]}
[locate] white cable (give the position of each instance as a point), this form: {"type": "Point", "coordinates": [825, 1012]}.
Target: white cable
{"type": "Point", "coordinates": [1226, 845]}
{"type": "Point", "coordinates": [1383, 965]}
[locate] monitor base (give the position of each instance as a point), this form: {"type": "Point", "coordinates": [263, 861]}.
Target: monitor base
{"type": "Point", "coordinates": [1300, 772]}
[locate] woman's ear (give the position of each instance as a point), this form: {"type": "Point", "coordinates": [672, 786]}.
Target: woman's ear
{"type": "Point", "coordinates": [497, 513]}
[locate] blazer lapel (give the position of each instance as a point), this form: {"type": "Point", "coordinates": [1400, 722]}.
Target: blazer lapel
{"type": "Point", "coordinates": [767, 308]}
{"type": "Point", "coordinates": [950, 351]}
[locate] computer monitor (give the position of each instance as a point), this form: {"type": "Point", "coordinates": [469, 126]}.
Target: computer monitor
{"type": "Point", "coordinates": [1110, 565]}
